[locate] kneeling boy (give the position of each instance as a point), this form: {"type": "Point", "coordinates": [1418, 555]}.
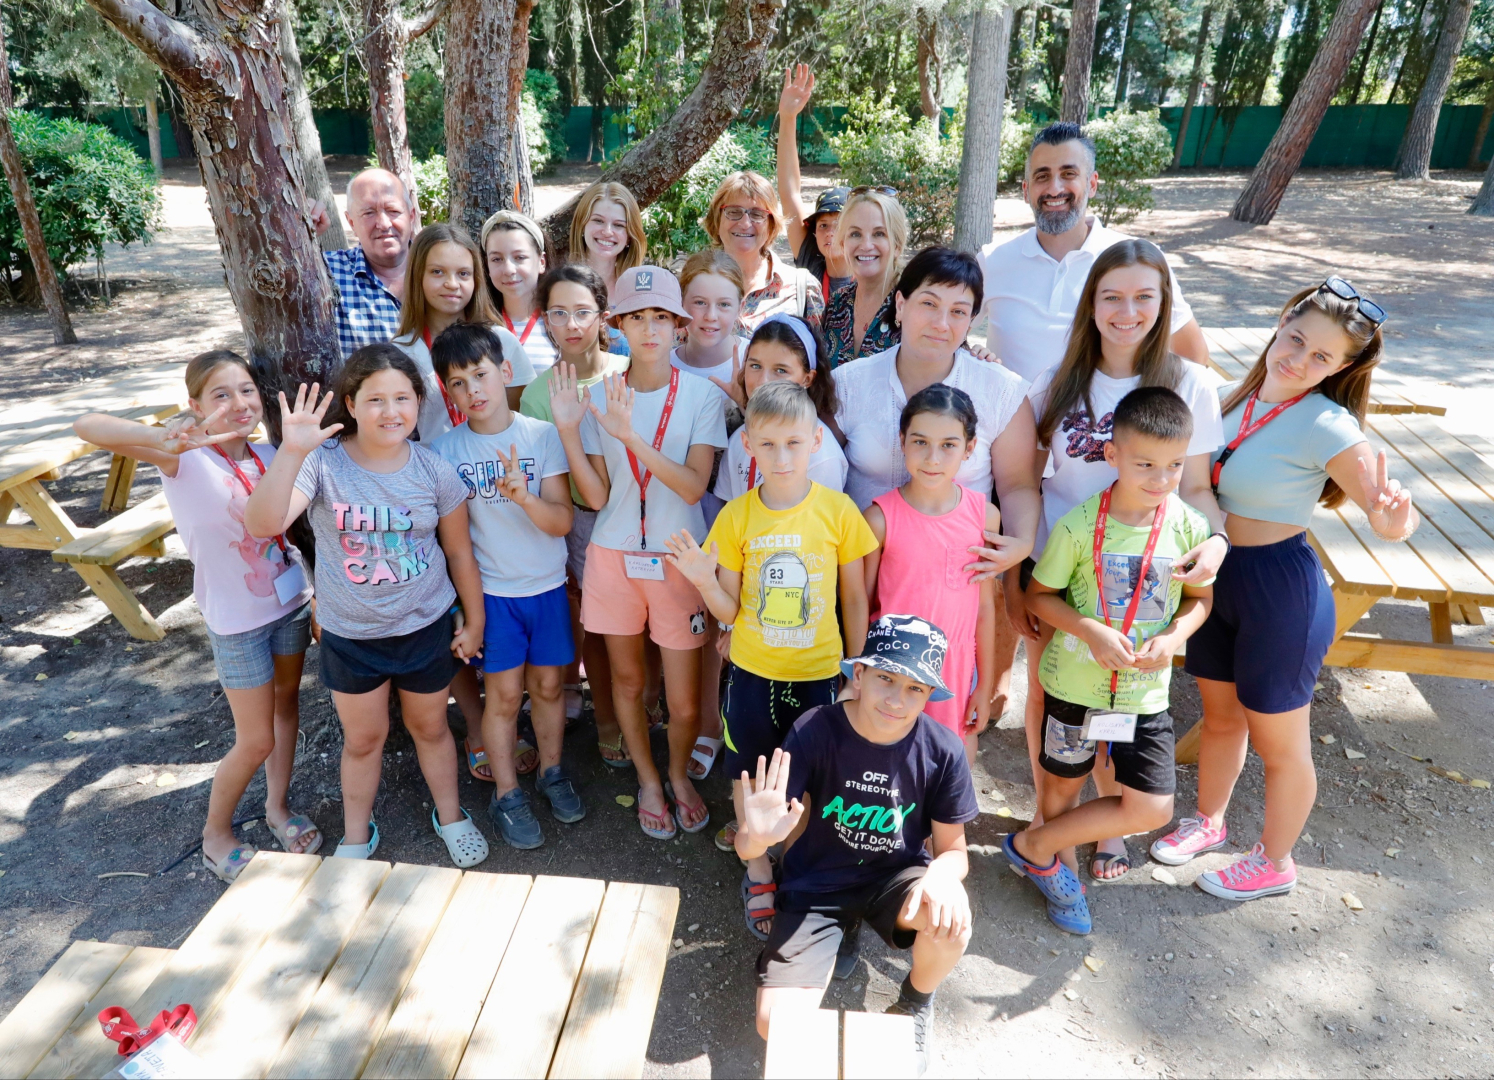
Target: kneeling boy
{"type": "Point", "coordinates": [1108, 582]}
{"type": "Point", "coordinates": [855, 792]}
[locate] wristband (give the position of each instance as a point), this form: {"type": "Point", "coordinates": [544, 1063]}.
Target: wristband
{"type": "Point", "coordinates": [1228, 546]}
{"type": "Point", "coordinates": [725, 628]}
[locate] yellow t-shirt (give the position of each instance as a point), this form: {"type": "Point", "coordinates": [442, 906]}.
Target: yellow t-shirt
{"type": "Point", "coordinates": [790, 564]}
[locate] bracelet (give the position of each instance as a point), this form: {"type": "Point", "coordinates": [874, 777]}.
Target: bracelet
{"type": "Point", "coordinates": [1228, 544]}
{"type": "Point", "coordinates": [725, 628]}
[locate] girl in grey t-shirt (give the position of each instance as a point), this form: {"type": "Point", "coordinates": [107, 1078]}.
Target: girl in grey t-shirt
{"type": "Point", "coordinates": [390, 520]}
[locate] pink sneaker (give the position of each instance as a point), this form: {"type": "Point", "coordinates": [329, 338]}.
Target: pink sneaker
{"type": "Point", "coordinates": [1193, 836]}
{"type": "Point", "coordinates": [1249, 877]}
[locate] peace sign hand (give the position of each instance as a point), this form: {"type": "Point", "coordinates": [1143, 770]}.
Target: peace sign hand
{"type": "Point", "coordinates": [734, 387]}
{"type": "Point", "coordinates": [301, 429]}
{"type": "Point", "coordinates": [768, 816]}
{"type": "Point", "coordinates": [566, 406]}
{"type": "Point", "coordinates": [617, 421]}
{"type": "Point", "coordinates": [1385, 501]}
{"type": "Point", "coordinates": [798, 84]}
{"type": "Point", "coordinates": [513, 485]}
{"type": "Point", "coordinates": [188, 431]}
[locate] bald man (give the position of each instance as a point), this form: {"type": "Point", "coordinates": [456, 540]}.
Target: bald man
{"type": "Point", "coordinates": [370, 277]}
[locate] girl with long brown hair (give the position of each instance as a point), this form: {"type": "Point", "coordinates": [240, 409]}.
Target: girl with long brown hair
{"type": "Point", "coordinates": [1295, 442]}
{"type": "Point", "coordinates": [607, 230]}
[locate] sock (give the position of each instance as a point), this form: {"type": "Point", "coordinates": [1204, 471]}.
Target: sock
{"type": "Point", "coordinates": [907, 993]}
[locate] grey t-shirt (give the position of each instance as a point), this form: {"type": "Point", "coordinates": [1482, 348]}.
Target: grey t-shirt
{"type": "Point", "coordinates": [516, 557]}
{"type": "Point", "coordinates": [379, 571]}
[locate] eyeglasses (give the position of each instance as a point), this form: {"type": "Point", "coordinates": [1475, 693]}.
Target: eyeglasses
{"type": "Point", "coordinates": [581, 316]}
{"type": "Point", "coordinates": [1344, 291]}
{"type": "Point", "coordinates": [737, 213]}
{"type": "Point", "coordinates": [880, 189]}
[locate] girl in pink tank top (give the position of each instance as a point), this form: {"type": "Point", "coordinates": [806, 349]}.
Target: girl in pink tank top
{"type": "Point", "coordinates": [927, 528]}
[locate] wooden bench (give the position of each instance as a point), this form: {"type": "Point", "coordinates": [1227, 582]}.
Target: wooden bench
{"type": "Point", "coordinates": [95, 552]}
{"type": "Point", "coordinates": [813, 1046]}
{"type": "Point", "coordinates": [311, 967]}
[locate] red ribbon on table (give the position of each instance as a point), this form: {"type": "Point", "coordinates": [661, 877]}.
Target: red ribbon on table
{"type": "Point", "coordinates": [120, 1026]}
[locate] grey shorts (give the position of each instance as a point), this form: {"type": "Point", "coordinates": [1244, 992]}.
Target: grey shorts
{"type": "Point", "coordinates": [247, 660]}
{"type": "Point", "coordinates": [576, 542]}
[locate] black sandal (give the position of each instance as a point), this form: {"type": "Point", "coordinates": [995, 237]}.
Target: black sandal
{"type": "Point", "coordinates": [1105, 860]}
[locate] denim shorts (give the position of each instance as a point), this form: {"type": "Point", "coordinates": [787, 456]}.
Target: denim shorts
{"type": "Point", "coordinates": [247, 660]}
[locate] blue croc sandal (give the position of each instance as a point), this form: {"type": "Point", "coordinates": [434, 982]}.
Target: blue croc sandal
{"type": "Point", "coordinates": [1057, 882]}
{"type": "Point", "coordinates": [1071, 920]}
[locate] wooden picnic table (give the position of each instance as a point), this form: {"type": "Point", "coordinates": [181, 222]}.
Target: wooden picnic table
{"type": "Point", "coordinates": [311, 967]}
{"type": "Point", "coordinates": [36, 439]}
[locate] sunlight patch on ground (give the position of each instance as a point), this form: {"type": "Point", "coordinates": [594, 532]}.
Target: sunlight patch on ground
{"type": "Point", "coordinates": [22, 788]}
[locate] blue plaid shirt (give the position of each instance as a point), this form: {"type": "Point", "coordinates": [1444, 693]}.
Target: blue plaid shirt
{"type": "Point", "coordinates": [367, 313]}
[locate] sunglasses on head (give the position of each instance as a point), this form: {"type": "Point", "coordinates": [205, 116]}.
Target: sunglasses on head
{"type": "Point", "coordinates": [880, 189]}
{"type": "Point", "coordinates": [1344, 291]}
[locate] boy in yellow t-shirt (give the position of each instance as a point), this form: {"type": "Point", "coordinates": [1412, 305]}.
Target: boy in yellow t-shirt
{"type": "Point", "coordinates": [769, 573]}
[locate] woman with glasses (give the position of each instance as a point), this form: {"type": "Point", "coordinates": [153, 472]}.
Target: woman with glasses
{"type": "Point", "coordinates": [1293, 426]}
{"type": "Point", "coordinates": [743, 220]}
{"type": "Point", "coordinates": [861, 318]}
{"type": "Point", "coordinates": [812, 238]}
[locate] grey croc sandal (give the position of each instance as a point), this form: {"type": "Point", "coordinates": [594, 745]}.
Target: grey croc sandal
{"type": "Point", "coordinates": [359, 851]}
{"type": "Point", "coordinates": [465, 842]}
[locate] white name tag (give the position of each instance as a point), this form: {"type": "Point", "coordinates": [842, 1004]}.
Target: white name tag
{"type": "Point", "coordinates": [290, 584]}
{"type": "Point", "coordinates": [1102, 725]}
{"type": "Point", "coordinates": [644, 567]}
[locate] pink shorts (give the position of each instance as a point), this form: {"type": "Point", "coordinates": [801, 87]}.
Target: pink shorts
{"type": "Point", "coordinates": [613, 603]}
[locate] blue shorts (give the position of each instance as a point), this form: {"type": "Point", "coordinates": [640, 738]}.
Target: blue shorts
{"type": "Point", "coordinates": [419, 662]}
{"type": "Point", "coordinates": [527, 630]}
{"type": "Point", "coordinates": [247, 660]}
{"type": "Point", "coordinates": [1271, 625]}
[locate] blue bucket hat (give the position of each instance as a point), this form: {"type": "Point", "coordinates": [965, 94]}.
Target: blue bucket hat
{"type": "Point", "coordinates": [909, 645]}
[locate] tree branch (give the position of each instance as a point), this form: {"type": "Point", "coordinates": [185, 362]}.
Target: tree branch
{"type": "Point", "coordinates": [426, 21]}
{"type": "Point", "coordinates": [172, 46]}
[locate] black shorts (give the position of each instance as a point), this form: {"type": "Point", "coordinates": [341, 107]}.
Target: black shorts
{"type": "Point", "coordinates": [1145, 764]}
{"type": "Point", "coordinates": [757, 713]}
{"type": "Point", "coordinates": [808, 928]}
{"type": "Point", "coordinates": [420, 662]}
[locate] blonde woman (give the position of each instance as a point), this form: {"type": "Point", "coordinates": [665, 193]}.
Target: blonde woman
{"type": "Point", "coordinates": [743, 220]}
{"type": "Point", "coordinates": [861, 319]}
{"type": "Point", "coordinates": [607, 231]}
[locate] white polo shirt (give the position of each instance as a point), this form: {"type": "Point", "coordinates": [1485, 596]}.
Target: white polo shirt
{"type": "Point", "coordinates": [1031, 297]}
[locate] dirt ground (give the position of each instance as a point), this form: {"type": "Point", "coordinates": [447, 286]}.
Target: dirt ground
{"type": "Point", "coordinates": [107, 745]}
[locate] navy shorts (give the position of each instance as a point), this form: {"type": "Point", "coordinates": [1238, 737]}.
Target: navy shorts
{"type": "Point", "coordinates": [757, 713]}
{"type": "Point", "coordinates": [527, 630]}
{"type": "Point", "coordinates": [1144, 764]}
{"type": "Point", "coordinates": [419, 663]}
{"type": "Point", "coordinates": [1272, 623]}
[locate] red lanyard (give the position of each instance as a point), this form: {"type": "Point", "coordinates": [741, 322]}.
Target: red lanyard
{"type": "Point", "coordinates": [528, 327]}
{"type": "Point", "coordinates": [457, 416]}
{"type": "Point", "coordinates": [643, 476]}
{"type": "Point", "coordinates": [751, 473]}
{"type": "Point", "coordinates": [1146, 564]}
{"type": "Point", "coordinates": [1248, 429]}
{"type": "Point", "coordinates": [825, 285]}
{"type": "Point", "coordinates": [248, 487]}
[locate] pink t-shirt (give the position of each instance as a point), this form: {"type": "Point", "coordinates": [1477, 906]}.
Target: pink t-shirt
{"type": "Point", "coordinates": [233, 574]}
{"type": "Point", "coordinates": [909, 583]}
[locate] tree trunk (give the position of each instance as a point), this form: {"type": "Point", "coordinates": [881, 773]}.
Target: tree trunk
{"type": "Point", "coordinates": [225, 62]}
{"type": "Point", "coordinates": [1483, 202]}
{"type": "Point", "coordinates": [1120, 76]}
{"type": "Point", "coordinates": [1369, 49]}
{"type": "Point", "coordinates": [1416, 146]}
{"type": "Point", "coordinates": [743, 34]}
{"type": "Point", "coordinates": [1268, 183]}
{"type": "Point", "coordinates": [1076, 64]}
{"type": "Point", "coordinates": [384, 52]}
{"type": "Point", "coordinates": [318, 186]}
{"type": "Point", "coordinates": [1411, 50]}
{"type": "Point", "coordinates": [484, 81]}
{"type": "Point", "coordinates": [980, 158]}
{"type": "Point", "coordinates": [31, 226]}
{"type": "Point", "coordinates": [1016, 72]}
{"type": "Point", "coordinates": [153, 133]}
{"type": "Point", "coordinates": [928, 64]}
{"type": "Point", "coordinates": [523, 175]}
{"type": "Point", "coordinates": [1475, 152]}
{"type": "Point", "coordinates": [1193, 81]}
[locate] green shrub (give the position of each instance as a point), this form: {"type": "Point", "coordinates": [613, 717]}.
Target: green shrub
{"type": "Point", "coordinates": [90, 187]}
{"type": "Point", "coordinates": [433, 187]}
{"type": "Point", "coordinates": [879, 144]}
{"type": "Point", "coordinates": [425, 113]}
{"type": "Point", "coordinates": [673, 221]}
{"type": "Point", "coordinates": [539, 110]}
{"type": "Point", "coordinates": [1130, 148]}
{"type": "Point", "coordinates": [541, 102]}
{"type": "Point", "coordinates": [1016, 139]}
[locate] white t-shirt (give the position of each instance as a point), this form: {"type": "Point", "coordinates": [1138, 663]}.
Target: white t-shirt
{"type": "Point", "coordinates": [536, 343]}
{"type": "Point", "coordinates": [721, 371]}
{"type": "Point", "coordinates": [827, 466]}
{"type": "Point", "coordinates": [697, 419]}
{"type": "Point", "coordinates": [516, 556]}
{"type": "Point", "coordinates": [1031, 297]}
{"type": "Point", "coordinates": [233, 573]}
{"type": "Point", "coordinates": [869, 401]}
{"type": "Point", "coordinates": [435, 421]}
{"type": "Point", "coordinates": [1076, 463]}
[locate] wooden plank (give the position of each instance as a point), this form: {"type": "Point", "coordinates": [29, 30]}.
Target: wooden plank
{"type": "Point", "coordinates": [122, 603]}
{"type": "Point", "coordinates": [803, 1043]}
{"type": "Point", "coordinates": [1477, 443]}
{"type": "Point", "coordinates": [203, 970]}
{"type": "Point", "coordinates": [1468, 615]}
{"type": "Point", "coordinates": [33, 459]}
{"type": "Point", "coordinates": [1441, 624]}
{"type": "Point", "coordinates": [50, 518]}
{"type": "Point", "coordinates": [428, 1032]}
{"type": "Point", "coordinates": [112, 394]}
{"type": "Point", "coordinates": [878, 1047]}
{"type": "Point", "coordinates": [117, 539]}
{"type": "Point", "coordinates": [25, 536]}
{"type": "Point", "coordinates": [1343, 556]}
{"type": "Point", "coordinates": [1349, 608]}
{"type": "Point", "coordinates": [1415, 657]}
{"type": "Point", "coordinates": [244, 1035]}
{"type": "Point", "coordinates": [612, 1013]}
{"type": "Point", "coordinates": [1221, 358]}
{"type": "Point", "coordinates": [1408, 572]}
{"type": "Point", "coordinates": [1185, 750]}
{"type": "Point", "coordinates": [349, 1012]}
{"type": "Point", "coordinates": [516, 1033]}
{"type": "Point", "coordinates": [1467, 496]}
{"type": "Point", "coordinates": [126, 984]}
{"type": "Point", "coordinates": [1472, 548]}
{"type": "Point", "coordinates": [1452, 449]}
{"type": "Point", "coordinates": [117, 489]}
{"type": "Point", "coordinates": [49, 1008]}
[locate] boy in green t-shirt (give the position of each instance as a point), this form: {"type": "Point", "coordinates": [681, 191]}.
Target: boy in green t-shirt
{"type": "Point", "coordinates": [1106, 672]}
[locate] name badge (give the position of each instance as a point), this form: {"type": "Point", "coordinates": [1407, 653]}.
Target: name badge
{"type": "Point", "coordinates": [291, 584]}
{"type": "Point", "coordinates": [1102, 725]}
{"type": "Point", "coordinates": [644, 567]}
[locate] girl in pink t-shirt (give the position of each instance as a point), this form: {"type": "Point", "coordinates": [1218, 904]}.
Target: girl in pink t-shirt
{"type": "Point", "coordinates": [254, 594]}
{"type": "Point", "coordinates": [929, 520]}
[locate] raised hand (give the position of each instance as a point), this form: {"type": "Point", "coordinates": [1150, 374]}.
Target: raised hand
{"type": "Point", "coordinates": [513, 485]}
{"type": "Point", "coordinates": [566, 406]}
{"type": "Point", "coordinates": [699, 567]}
{"type": "Point", "coordinates": [1387, 503]}
{"type": "Point", "coordinates": [188, 431]}
{"type": "Point", "coordinates": [798, 84]}
{"type": "Point", "coordinates": [768, 816]}
{"type": "Point", "coordinates": [734, 388]}
{"type": "Point", "coordinates": [301, 429]}
{"type": "Point", "coordinates": [617, 421]}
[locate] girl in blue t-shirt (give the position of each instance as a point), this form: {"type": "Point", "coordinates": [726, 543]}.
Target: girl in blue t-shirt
{"type": "Point", "coordinates": [1294, 442]}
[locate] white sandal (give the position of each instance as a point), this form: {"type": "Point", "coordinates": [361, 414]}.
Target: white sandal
{"type": "Point", "coordinates": [359, 851]}
{"type": "Point", "coordinates": [706, 751]}
{"type": "Point", "coordinates": [464, 841]}
{"type": "Point", "coordinates": [573, 713]}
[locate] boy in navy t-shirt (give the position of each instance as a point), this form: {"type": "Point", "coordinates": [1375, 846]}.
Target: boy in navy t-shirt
{"type": "Point", "coordinates": [854, 793]}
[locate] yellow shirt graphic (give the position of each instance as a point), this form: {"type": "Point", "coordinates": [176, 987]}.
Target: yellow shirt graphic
{"type": "Point", "coordinates": [790, 561]}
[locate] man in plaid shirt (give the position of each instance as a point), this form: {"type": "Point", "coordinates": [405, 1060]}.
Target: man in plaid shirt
{"type": "Point", "coordinates": [370, 278]}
